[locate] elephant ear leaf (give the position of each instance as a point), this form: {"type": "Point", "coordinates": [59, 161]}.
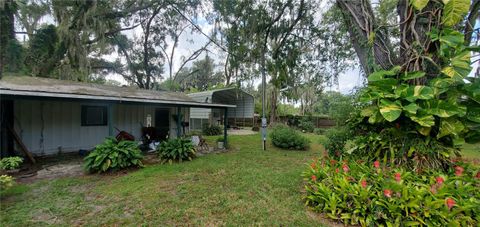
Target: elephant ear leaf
{"type": "Point", "coordinates": [424, 120]}
{"type": "Point", "coordinates": [390, 110]}
{"type": "Point", "coordinates": [413, 75]}
{"type": "Point", "coordinates": [450, 126]}
{"type": "Point", "coordinates": [454, 11]}
{"type": "Point", "coordinates": [419, 4]}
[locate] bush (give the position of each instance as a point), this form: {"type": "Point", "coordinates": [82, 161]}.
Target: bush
{"type": "Point", "coordinates": [6, 182]}
{"type": "Point", "coordinates": [319, 131]}
{"type": "Point", "coordinates": [287, 138]}
{"type": "Point", "coordinates": [114, 155]}
{"type": "Point", "coordinates": [336, 139]}
{"type": "Point", "coordinates": [306, 124]}
{"type": "Point", "coordinates": [178, 149]}
{"type": "Point", "coordinates": [211, 130]}
{"type": "Point", "coordinates": [10, 163]}
{"type": "Point", "coordinates": [255, 128]}
{"type": "Point", "coordinates": [369, 194]}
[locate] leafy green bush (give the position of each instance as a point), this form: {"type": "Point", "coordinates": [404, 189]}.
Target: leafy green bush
{"type": "Point", "coordinates": [319, 131]}
{"type": "Point", "coordinates": [211, 130]}
{"type": "Point", "coordinates": [306, 124]}
{"type": "Point", "coordinates": [288, 138]}
{"type": "Point", "coordinates": [371, 194]}
{"type": "Point", "coordinates": [114, 155]}
{"type": "Point", "coordinates": [6, 182]}
{"type": "Point", "coordinates": [11, 163]}
{"type": "Point", "coordinates": [178, 149]}
{"type": "Point", "coordinates": [336, 139]}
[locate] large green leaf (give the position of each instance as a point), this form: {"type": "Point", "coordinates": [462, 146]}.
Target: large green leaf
{"type": "Point", "coordinates": [413, 93]}
{"type": "Point", "coordinates": [419, 4]}
{"type": "Point", "coordinates": [451, 37]}
{"type": "Point", "coordinates": [444, 109]}
{"type": "Point", "coordinates": [454, 11]}
{"type": "Point", "coordinates": [441, 85]}
{"type": "Point", "coordinates": [424, 120]}
{"type": "Point", "coordinates": [413, 75]}
{"type": "Point", "coordinates": [390, 110]}
{"type": "Point", "coordinates": [380, 75]}
{"type": "Point", "coordinates": [450, 126]}
{"type": "Point", "coordinates": [473, 113]}
{"type": "Point", "coordinates": [411, 108]}
{"type": "Point", "coordinates": [369, 111]}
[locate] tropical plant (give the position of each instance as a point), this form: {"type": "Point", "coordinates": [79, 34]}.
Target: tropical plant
{"type": "Point", "coordinates": [6, 182]}
{"type": "Point", "coordinates": [367, 194]}
{"type": "Point", "coordinates": [114, 155]}
{"type": "Point", "coordinates": [178, 149]}
{"type": "Point", "coordinates": [336, 139]}
{"type": "Point", "coordinates": [211, 130]}
{"type": "Point", "coordinates": [10, 163]}
{"type": "Point", "coordinates": [435, 101]}
{"type": "Point", "coordinates": [288, 138]}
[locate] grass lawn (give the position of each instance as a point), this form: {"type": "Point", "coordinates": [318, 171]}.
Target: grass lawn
{"type": "Point", "coordinates": [246, 186]}
{"type": "Point", "coordinates": [471, 151]}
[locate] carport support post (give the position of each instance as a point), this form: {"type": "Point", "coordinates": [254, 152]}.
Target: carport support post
{"type": "Point", "coordinates": [110, 119]}
{"type": "Point", "coordinates": [225, 120]}
{"type": "Point", "coordinates": [178, 122]}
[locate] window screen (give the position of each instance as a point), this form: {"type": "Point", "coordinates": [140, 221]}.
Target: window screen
{"type": "Point", "coordinates": [94, 115]}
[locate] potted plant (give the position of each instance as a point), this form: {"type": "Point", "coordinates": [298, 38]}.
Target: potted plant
{"type": "Point", "coordinates": [221, 143]}
{"type": "Point", "coordinates": [11, 164]}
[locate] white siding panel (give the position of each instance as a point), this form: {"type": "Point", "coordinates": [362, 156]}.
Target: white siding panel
{"type": "Point", "coordinates": [61, 124]}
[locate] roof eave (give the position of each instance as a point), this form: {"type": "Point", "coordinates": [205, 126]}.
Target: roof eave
{"type": "Point", "coordinates": [112, 98]}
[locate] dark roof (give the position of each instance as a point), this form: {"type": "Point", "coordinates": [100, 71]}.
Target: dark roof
{"type": "Point", "coordinates": [44, 87]}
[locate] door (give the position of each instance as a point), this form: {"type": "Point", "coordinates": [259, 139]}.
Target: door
{"type": "Point", "coordinates": [162, 124]}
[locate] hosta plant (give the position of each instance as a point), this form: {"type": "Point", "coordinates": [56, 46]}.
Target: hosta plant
{"type": "Point", "coordinates": [114, 155]}
{"type": "Point", "coordinates": [372, 194]}
{"type": "Point", "coordinates": [10, 163]}
{"type": "Point", "coordinates": [6, 182]}
{"type": "Point", "coordinates": [178, 149]}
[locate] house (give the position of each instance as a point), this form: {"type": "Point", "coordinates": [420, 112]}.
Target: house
{"type": "Point", "coordinates": [53, 116]}
{"type": "Point", "coordinates": [241, 115]}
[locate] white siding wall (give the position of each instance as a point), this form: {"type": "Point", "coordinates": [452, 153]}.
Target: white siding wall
{"type": "Point", "coordinates": [46, 126]}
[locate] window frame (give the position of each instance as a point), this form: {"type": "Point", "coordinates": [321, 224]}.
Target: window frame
{"type": "Point", "coordinates": [83, 115]}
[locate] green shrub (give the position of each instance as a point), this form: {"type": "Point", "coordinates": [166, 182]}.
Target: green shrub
{"type": "Point", "coordinates": [255, 128]}
{"type": "Point", "coordinates": [11, 163]}
{"type": "Point", "coordinates": [288, 138]}
{"type": "Point", "coordinates": [178, 149]}
{"type": "Point", "coordinates": [114, 155]}
{"type": "Point", "coordinates": [211, 130]}
{"type": "Point", "coordinates": [371, 194]}
{"type": "Point", "coordinates": [6, 182]}
{"type": "Point", "coordinates": [306, 124]}
{"type": "Point", "coordinates": [319, 131]}
{"type": "Point", "coordinates": [336, 139]}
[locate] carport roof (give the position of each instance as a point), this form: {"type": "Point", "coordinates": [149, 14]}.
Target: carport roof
{"type": "Point", "coordinates": [25, 86]}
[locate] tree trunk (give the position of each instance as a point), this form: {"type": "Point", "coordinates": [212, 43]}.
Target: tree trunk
{"type": "Point", "coordinates": [370, 42]}
{"type": "Point", "coordinates": [7, 22]}
{"type": "Point", "coordinates": [273, 105]}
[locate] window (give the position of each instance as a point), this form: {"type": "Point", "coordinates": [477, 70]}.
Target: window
{"type": "Point", "coordinates": [94, 115]}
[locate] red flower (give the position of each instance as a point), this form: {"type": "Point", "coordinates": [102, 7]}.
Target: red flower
{"type": "Point", "coordinates": [314, 178]}
{"type": "Point", "coordinates": [345, 168]}
{"type": "Point", "coordinates": [336, 170]}
{"type": "Point", "coordinates": [458, 170]}
{"type": "Point", "coordinates": [387, 193]}
{"type": "Point", "coordinates": [478, 175]}
{"type": "Point", "coordinates": [363, 183]}
{"type": "Point", "coordinates": [450, 203]}
{"type": "Point", "coordinates": [398, 177]}
{"type": "Point", "coordinates": [439, 180]}
{"type": "Point", "coordinates": [376, 164]}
